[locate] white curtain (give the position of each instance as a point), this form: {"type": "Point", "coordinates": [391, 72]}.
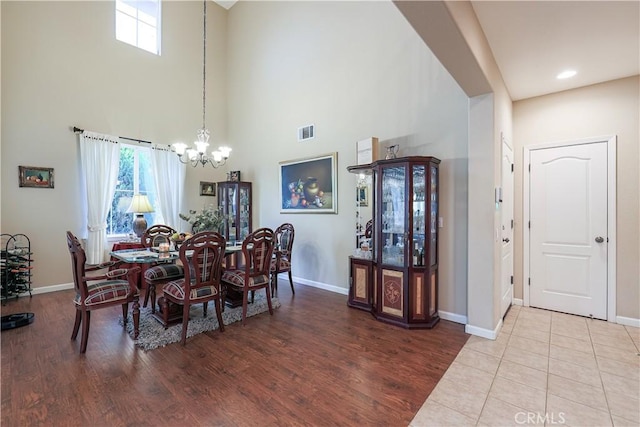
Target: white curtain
{"type": "Point", "coordinates": [100, 157]}
{"type": "Point", "coordinates": [169, 175]}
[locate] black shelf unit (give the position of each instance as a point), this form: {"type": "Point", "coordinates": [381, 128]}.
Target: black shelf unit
{"type": "Point", "coordinates": [15, 266]}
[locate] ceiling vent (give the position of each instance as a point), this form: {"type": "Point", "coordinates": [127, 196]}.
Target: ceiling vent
{"type": "Point", "coordinates": [306, 132]}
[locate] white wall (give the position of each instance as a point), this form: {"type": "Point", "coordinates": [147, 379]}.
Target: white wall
{"type": "Point", "coordinates": [610, 108]}
{"type": "Point", "coordinates": [61, 66]}
{"type": "Point", "coordinates": [355, 70]}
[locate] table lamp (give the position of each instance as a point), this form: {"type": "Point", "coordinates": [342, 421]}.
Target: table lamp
{"type": "Point", "coordinates": [139, 206]}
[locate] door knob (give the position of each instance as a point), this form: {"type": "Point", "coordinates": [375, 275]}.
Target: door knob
{"type": "Point", "coordinates": [599, 239]}
{"type": "Point", "coordinates": [506, 240]}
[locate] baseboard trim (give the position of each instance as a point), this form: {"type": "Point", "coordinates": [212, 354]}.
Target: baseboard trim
{"type": "Point", "coordinates": [482, 332]}
{"type": "Point", "coordinates": [452, 317]}
{"type": "Point", "coordinates": [319, 285]}
{"type": "Point", "coordinates": [628, 321]}
{"type": "Point", "coordinates": [52, 288]}
{"type": "Point", "coordinates": [517, 301]}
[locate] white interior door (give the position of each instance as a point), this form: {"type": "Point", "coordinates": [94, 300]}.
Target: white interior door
{"type": "Point", "coordinates": [506, 291]}
{"type": "Point", "coordinates": [568, 229]}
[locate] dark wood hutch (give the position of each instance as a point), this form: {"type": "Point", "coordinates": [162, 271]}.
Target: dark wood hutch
{"type": "Point", "coordinates": [394, 275]}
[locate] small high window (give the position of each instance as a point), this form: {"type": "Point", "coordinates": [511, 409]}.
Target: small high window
{"type": "Point", "coordinates": [138, 23]}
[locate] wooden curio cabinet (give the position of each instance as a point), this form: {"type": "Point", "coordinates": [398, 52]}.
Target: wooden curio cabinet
{"type": "Point", "coordinates": [234, 199]}
{"type": "Point", "coordinates": [405, 258]}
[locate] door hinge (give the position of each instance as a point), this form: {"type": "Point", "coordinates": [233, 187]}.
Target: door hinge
{"type": "Point", "coordinates": [512, 224]}
{"type": "Point", "coordinates": [529, 224]}
{"type": "Point", "coordinates": [529, 167]}
{"type": "Point", "coordinates": [529, 281]}
{"type": "Point", "coordinates": [512, 280]}
{"type": "Point", "coordinates": [511, 167]}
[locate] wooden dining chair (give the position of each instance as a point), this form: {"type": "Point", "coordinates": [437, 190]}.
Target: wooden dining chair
{"type": "Point", "coordinates": [116, 287]}
{"type": "Point", "coordinates": [257, 249]}
{"type": "Point", "coordinates": [162, 272]}
{"type": "Point", "coordinates": [281, 260]}
{"type": "Point", "coordinates": [203, 254]}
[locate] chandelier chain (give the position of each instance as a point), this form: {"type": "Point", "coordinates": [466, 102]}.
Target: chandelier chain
{"type": "Point", "coordinates": [204, 63]}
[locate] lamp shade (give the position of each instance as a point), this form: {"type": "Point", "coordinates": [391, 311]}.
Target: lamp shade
{"type": "Point", "coordinates": [140, 204]}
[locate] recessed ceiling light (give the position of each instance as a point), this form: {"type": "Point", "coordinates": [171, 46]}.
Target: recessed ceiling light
{"type": "Point", "coordinates": [566, 74]}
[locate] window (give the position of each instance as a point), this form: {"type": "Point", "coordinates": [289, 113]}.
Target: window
{"type": "Point", "coordinates": [135, 176]}
{"type": "Point", "coordinates": [138, 23]}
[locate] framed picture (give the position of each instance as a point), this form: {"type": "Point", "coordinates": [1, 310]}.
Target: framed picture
{"type": "Point", "coordinates": [234, 176]}
{"type": "Point", "coordinates": [309, 185]}
{"type": "Point", "coordinates": [207, 188]}
{"type": "Point", "coordinates": [31, 176]}
{"type": "Point", "coordinates": [362, 196]}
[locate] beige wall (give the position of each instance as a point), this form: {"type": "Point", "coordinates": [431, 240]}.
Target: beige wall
{"type": "Point", "coordinates": [61, 66]}
{"type": "Point", "coordinates": [355, 70]}
{"type": "Point", "coordinates": [610, 108]}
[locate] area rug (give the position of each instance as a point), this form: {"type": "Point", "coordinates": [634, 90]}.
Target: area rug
{"type": "Point", "coordinates": [153, 335]}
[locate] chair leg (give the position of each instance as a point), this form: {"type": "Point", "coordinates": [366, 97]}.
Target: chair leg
{"type": "Point", "coordinates": [86, 319]}
{"type": "Point", "coordinates": [185, 322]}
{"type": "Point", "coordinates": [136, 318]}
{"type": "Point", "coordinates": [76, 325]}
{"type": "Point", "coordinates": [269, 301]}
{"type": "Point", "coordinates": [151, 291]}
{"type": "Point", "coordinates": [164, 307]}
{"type": "Point", "coordinates": [125, 313]}
{"type": "Point", "coordinates": [274, 283]}
{"type": "Point", "coordinates": [245, 302]}
{"type": "Point", "coordinates": [291, 282]}
{"type": "Point", "coordinates": [146, 295]}
{"type": "Point", "coordinates": [205, 305]}
{"type": "Point", "coordinates": [218, 304]}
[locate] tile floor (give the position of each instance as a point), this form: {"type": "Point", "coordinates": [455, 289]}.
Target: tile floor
{"type": "Point", "coordinates": [545, 368]}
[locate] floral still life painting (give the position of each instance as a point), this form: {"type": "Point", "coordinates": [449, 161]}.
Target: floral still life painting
{"type": "Point", "coordinates": [309, 185]}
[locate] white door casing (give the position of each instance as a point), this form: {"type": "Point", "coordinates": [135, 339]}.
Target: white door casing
{"type": "Point", "coordinates": [570, 227]}
{"type": "Point", "coordinates": [506, 291]}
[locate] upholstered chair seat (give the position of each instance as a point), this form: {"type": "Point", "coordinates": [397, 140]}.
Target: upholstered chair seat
{"type": "Point", "coordinates": [281, 260]}
{"type": "Point", "coordinates": [95, 290]}
{"type": "Point", "coordinates": [257, 250]}
{"type": "Point", "coordinates": [201, 282]}
{"type": "Point", "coordinates": [162, 272]}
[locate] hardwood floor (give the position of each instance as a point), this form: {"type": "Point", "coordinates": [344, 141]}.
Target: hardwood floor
{"type": "Point", "coordinates": [314, 362]}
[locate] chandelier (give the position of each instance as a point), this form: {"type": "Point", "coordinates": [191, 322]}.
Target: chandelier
{"type": "Point", "coordinates": [198, 155]}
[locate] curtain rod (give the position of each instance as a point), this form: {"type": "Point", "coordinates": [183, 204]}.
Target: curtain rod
{"type": "Point", "coordinates": [77, 129]}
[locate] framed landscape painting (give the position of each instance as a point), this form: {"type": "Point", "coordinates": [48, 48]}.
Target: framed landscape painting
{"type": "Point", "coordinates": [309, 185]}
{"type": "Point", "coordinates": [31, 176]}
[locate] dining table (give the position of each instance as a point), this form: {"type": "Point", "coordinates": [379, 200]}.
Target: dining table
{"type": "Point", "coordinates": [153, 255]}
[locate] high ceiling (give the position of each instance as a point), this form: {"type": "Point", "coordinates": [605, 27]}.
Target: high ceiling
{"type": "Point", "coordinates": [533, 41]}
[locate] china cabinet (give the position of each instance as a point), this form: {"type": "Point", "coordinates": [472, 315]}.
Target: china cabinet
{"type": "Point", "coordinates": [401, 282]}
{"type": "Point", "coordinates": [234, 200]}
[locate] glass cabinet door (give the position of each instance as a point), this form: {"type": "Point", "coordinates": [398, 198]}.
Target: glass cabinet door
{"type": "Point", "coordinates": [433, 217]}
{"type": "Point", "coordinates": [393, 215]}
{"type": "Point", "coordinates": [245, 196]}
{"type": "Point", "coordinates": [232, 206]}
{"type": "Point", "coordinates": [418, 211]}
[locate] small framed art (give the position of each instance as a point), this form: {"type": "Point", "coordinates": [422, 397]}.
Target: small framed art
{"type": "Point", "coordinates": [31, 176]}
{"type": "Point", "coordinates": [207, 188]}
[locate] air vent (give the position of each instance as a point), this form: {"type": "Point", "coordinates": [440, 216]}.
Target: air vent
{"type": "Point", "coordinates": [306, 132]}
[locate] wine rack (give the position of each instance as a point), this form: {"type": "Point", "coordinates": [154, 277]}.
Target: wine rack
{"type": "Point", "coordinates": [15, 266]}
